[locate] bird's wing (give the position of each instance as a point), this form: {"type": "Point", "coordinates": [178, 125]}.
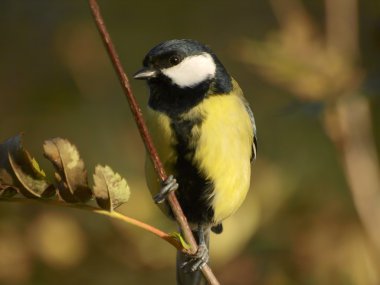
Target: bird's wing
{"type": "Point", "coordinates": [254, 142]}
{"type": "Point", "coordinates": [251, 117]}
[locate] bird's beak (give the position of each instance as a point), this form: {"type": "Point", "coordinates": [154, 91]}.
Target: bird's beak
{"type": "Point", "coordinates": [146, 73]}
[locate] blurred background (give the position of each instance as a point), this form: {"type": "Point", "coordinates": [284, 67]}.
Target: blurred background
{"type": "Point", "coordinates": [310, 70]}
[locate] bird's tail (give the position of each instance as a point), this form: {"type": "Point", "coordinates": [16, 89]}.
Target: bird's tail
{"type": "Point", "coordinates": [191, 278]}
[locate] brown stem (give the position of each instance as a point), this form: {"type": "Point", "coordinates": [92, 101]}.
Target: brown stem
{"type": "Point", "coordinates": [113, 214]}
{"type": "Point", "coordinates": [136, 111]}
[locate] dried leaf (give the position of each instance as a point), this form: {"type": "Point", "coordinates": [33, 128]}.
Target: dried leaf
{"type": "Point", "coordinates": [71, 173]}
{"type": "Point", "coordinates": [22, 172]}
{"type": "Point", "coordinates": [6, 174]}
{"type": "Point", "coordinates": [33, 187]}
{"type": "Point", "coordinates": [7, 191]}
{"type": "Point", "coordinates": [110, 189]}
{"type": "Point", "coordinates": [6, 178]}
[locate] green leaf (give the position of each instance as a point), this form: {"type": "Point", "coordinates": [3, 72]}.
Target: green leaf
{"type": "Point", "coordinates": [179, 237]}
{"type": "Point", "coordinates": [71, 174]}
{"type": "Point", "coordinates": [110, 189]}
{"type": "Point", "coordinates": [37, 168]}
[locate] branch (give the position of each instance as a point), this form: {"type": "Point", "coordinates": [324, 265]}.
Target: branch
{"type": "Point", "coordinates": [360, 161]}
{"type": "Point", "coordinates": [112, 214]}
{"type": "Point", "coordinates": [349, 121]}
{"type": "Point", "coordinates": [136, 111]}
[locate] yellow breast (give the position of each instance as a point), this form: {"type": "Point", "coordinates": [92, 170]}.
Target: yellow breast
{"type": "Point", "coordinates": [222, 150]}
{"type": "Point", "coordinates": [163, 139]}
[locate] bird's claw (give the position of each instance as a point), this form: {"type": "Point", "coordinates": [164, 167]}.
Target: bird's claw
{"type": "Point", "coordinates": [197, 260]}
{"type": "Point", "coordinates": [169, 185]}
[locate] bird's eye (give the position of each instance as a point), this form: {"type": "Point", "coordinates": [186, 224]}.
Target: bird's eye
{"type": "Point", "coordinates": [174, 60]}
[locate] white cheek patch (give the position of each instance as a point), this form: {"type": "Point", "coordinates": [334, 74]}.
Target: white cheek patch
{"type": "Point", "coordinates": [192, 70]}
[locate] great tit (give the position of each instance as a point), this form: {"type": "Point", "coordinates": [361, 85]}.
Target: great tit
{"type": "Point", "coordinates": [204, 132]}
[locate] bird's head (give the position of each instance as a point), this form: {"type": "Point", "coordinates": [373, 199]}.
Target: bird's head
{"type": "Point", "coordinates": [184, 63]}
{"type": "Point", "coordinates": [183, 67]}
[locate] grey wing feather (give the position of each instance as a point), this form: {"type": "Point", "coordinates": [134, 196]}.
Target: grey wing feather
{"type": "Point", "coordinates": [254, 143]}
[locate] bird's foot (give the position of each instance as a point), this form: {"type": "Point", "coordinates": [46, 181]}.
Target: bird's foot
{"type": "Point", "coordinates": [169, 185]}
{"type": "Point", "coordinates": [197, 260]}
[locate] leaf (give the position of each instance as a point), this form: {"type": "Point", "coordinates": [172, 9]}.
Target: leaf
{"type": "Point", "coordinates": [7, 191]}
{"type": "Point", "coordinates": [33, 187]}
{"type": "Point", "coordinates": [37, 168]}
{"type": "Point", "coordinates": [182, 241]}
{"type": "Point", "coordinates": [71, 173]}
{"type": "Point", "coordinates": [6, 177]}
{"type": "Point", "coordinates": [24, 171]}
{"type": "Point", "coordinates": [110, 189]}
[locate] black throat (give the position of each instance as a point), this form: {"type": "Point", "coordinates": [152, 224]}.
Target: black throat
{"type": "Point", "coordinates": [174, 100]}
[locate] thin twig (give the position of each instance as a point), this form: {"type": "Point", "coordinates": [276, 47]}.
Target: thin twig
{"type": "Point", "coordinates": [113, 214]}
{"type": "Point", "coordinates": [136, 111]}
{"type": "Point", "coordinates": [349, 121]}
{"type": "Point", "coordinates": [360, 161]}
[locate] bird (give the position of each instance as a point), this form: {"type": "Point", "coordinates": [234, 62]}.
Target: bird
{"type": "Point", "coordinates": [205, 134]}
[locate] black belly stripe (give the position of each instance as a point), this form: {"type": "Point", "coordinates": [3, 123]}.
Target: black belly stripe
{"type": "Point", "coordinates": [195, 189]}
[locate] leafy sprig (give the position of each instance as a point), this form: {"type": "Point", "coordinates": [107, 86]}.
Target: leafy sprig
{"type": "Point", "coordinates": [22, 180]}
{"type": "Point", "coordinates": [20, 173]}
